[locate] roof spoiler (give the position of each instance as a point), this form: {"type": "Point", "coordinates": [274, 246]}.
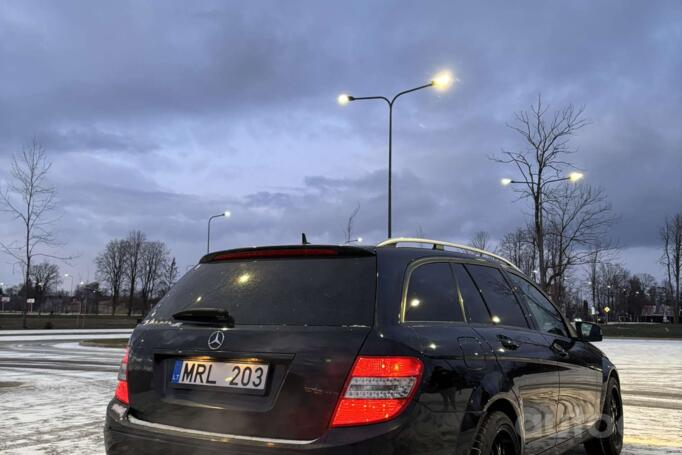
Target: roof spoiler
{"type": "Point", "coordinates": [287, 252]}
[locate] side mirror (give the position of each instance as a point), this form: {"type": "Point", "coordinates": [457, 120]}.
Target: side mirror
{"type": "Point", "coordinates": [589, 331]}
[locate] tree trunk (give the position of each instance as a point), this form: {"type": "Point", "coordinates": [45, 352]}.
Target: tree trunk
{"type": "Point", "coordinates": [114, 302]}
{"type": "Point", "coordinates": [540, 241]}
{"type": "Point", "coordinates": [676, 316]}
{"type": "Point", "coordinates": [24, 321]}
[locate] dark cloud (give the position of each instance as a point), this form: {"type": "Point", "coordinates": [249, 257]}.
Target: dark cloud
{"type": "Point", "coordinates": [158, 114]}
{"type": "Point", "coordinates": [92, 139]}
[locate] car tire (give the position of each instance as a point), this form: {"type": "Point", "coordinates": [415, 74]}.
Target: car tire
{"type": "Point", "coordinates": [497, 436]}
{"type": "Point", "coordinates": [609, 427]}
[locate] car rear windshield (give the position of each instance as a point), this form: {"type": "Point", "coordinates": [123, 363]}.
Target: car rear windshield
{"type": "Point", "coordinates": [309, 291]}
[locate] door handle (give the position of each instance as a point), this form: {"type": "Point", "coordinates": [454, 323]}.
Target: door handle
{"type": "Point", "coordinates": [560, 350]}
{"type": "Point", "coordinates": [508, 342]}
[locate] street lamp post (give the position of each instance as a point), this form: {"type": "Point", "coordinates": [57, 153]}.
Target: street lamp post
{"type": "Point", "coordinates": [225, 214]}
{"type": "Point", "coordinates": [80, 301]}
{"type": "Point", "coordinates": [66, 275]}
{"type": "Point", "coordinates": [441, 81]}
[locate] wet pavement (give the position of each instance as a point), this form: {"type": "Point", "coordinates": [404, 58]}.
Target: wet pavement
{"type": "Point", "coordinates": [53, 393]}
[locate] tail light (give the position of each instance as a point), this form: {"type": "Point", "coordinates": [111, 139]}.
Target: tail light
{"type": "Point", "coordinates": [378, 389]}
{"type": "Point", "coordinates": [122, 386]}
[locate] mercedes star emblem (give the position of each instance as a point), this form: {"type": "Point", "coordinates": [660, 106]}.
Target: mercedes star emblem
{"type": "Point", "coordinates": [215, 341]}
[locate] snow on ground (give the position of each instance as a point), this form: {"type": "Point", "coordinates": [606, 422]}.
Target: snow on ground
{"type": "Point", "coordinates": [54, 412]}
{"type": "Point", "coordinates": [53, 395]}
{"type": "Point", "coordinates": [651, 382]}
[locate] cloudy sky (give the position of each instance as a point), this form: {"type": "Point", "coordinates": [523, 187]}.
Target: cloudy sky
{"type": "Point", "coordinates": [157, 115]}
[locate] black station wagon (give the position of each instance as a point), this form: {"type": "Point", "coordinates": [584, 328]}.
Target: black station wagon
{"type": "Point", "coordinates": [312, 349]}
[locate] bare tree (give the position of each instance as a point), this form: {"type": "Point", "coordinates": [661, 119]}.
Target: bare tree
{"type": "Point", "coordinates": [599, 253]}
{"type": "Point", "coordinates": [170, 276]}
{"type": "Point", "coordinates": [111, 268]}
{"type": "Point", "coordinates": [348, 230]}
{"type": "Point", "coordinates": [480, 240]}
{"type": "Point", "coordinates": [153, 261]}
{"type": "Point", "coordinates": [593, 261]}
{"type": "Point", "coordinates": [30, 199]}
{"type": "Point", "coordinates": [133, 246]}
{"type": "Point", "coordinates": [518, 247]}
{"type": "Point", "coordinates": [671, 236]}
{"type": "Point", "coordinates": [45, 276]}
{"type": "Point", "coordinates": [543, 161]}
{"type": "Point", "coordinates": [420, 235]}
{"type": "Point", "coordinates": [612, 281]}
{"type": "Point", "coordinates": [578, 219]}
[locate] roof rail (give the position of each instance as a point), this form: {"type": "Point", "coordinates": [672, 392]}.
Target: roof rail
{"type": "Point", "coordinates": [440, 245]}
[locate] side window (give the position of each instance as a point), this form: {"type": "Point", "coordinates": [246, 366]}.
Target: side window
{"type": "Point", "coordinates": [432, 294]}
{"type": "Point", "coordinates": [504, 307]}
{"type": "Point", "coordinates": [545, 314]}
{"type": "Point", "coordinates": [474, 307]}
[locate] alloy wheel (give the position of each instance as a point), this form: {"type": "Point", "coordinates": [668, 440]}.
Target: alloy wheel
{"type": "Point", "coordinates": [616, 414]}
{"type": "Point", "coordinates": [503, 444]}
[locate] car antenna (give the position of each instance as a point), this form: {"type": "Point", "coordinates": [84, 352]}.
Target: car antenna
{"type": "Point", "coordinates": [304, 239]}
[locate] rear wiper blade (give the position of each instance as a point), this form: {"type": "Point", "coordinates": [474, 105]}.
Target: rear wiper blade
{"type": "Point", "coordinates": [212, 316]}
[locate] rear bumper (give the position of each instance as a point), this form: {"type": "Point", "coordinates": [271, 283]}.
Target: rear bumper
{"type": "Point", "coordinates": [418, 431]}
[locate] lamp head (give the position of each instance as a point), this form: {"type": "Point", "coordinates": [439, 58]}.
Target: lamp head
{"type": "Point", "coordinates": [442, 80]}
{"type": "Point", "coordinates": [506, 181]}
{"type": "Point", "coordinates": [575, 176]}
{"type": "Point", "coordinates": [344, 99]}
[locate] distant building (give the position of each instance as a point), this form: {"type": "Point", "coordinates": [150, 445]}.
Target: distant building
{"type": "Point", "coordinates": [657, 313]}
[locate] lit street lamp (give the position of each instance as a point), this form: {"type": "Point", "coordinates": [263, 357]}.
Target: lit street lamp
{"type": "Point", "coordinates": [536, 190]}
{"type": "Point", "coordinates": [225, 214]}
{"type": "Point", "coordinates": [358, 240]}
{"type": "Point", "coordinates": [441, 82]}
{"type": "Point", "coordinates": [572, 177]}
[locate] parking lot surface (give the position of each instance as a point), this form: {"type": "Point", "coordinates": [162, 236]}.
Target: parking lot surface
{"type": "Point", "coordinates": [53, 393]}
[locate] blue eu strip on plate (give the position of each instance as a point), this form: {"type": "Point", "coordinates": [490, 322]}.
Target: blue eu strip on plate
{"type": "Point", "coordinates": [175, 378]}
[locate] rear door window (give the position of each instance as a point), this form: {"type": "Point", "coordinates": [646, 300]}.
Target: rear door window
{"type": "Point", "coordinates": [498, 295]}
{"type": "Point", "coordinates": [432, 295]}
{"type": "Point", "coordinates": [545, 314]}
{"type": "Point", "coordinates": [301, 291]}
{"type": "Point", "coordinates": [474, 306]}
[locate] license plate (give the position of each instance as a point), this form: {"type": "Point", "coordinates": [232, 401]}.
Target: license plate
{"type": "Point", "coordinates": [251, 376]}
